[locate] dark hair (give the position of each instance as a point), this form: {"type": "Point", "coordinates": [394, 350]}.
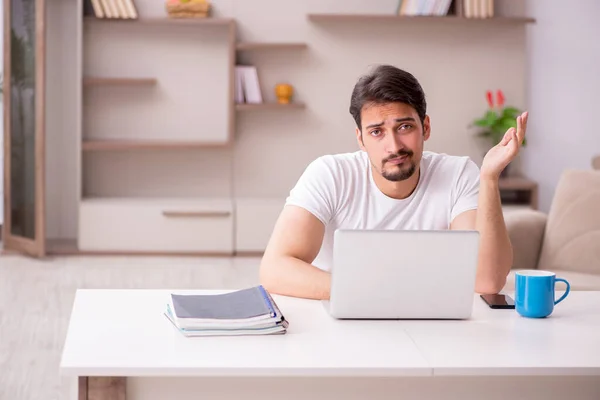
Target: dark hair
{"type": "Point", "coordinates": [387, 84]}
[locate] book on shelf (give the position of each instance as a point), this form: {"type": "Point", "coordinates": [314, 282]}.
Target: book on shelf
{"type": "Point", "coordinates": [478, 8]}
{"type": "Point", "coordinates": [424, 7]}
{"type": "Point", "coordinates": [110, 9]}
{"type": "Point", "coordinates": [247, 85]}
{"type": "Point", "coordinates": [470, 8]}
{"type": "Point", "coordinates": [250, 311]}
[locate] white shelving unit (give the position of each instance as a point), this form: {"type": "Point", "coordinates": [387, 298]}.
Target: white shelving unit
{"type": "Point", "coordinates": [165, 162]}
{"type": "Point", "coordinates": [157, 136]}
{"type": "Point", "coordinates": [155, 169]}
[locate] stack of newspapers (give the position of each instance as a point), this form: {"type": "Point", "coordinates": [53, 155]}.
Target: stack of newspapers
{"type": "Point", "coordinates": [244, 312]}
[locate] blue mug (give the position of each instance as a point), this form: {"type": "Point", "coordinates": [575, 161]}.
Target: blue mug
{"type": "Point", "coordinates": [534, 293]}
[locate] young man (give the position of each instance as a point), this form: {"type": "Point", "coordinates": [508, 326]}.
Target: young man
{"type": "Point", "coordinates": [391, 183]}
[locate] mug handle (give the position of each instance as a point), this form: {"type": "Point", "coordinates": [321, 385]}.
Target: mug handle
{"type": "Point", "coordinates": [567, 291]}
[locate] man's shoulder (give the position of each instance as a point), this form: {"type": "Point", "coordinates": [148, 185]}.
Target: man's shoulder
{"type": "Point", "coordinates": [443, 158]}
{"type": "Point", "coordinates": [449, 170]}
{"type": "Point", "coordinates": [324, 184]}
{"type": "Point", "coordinates": [446, 163]}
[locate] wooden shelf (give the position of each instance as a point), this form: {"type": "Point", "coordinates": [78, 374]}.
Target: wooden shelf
{"type": "Point", "coordinates": [423, 18]}
{"type": "Point", "coordinates": [516, 183]}
{"type": "Point", "coordinates": [108, 145]}
{"type": "Point", "coordinates": [163, 21]}
{"type": "Point", "coordinates": [516, 191]}
{"type": "Point", "coordinates": [248, 46]}
{"type": "Point", "coordinates": [268, 106]}
{"type": "Point", "coordinates": [100, 81]}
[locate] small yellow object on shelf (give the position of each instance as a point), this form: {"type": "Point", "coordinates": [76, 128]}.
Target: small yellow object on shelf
{"type": "Point", "coordinates": [284, 93]}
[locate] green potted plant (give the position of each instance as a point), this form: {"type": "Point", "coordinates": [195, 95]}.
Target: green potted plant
{"type": "Point", "coordinates": [497, 120]}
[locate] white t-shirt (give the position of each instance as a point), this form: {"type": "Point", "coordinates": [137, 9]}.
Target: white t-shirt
{"type": "Point", "coordinates": [340, 191]}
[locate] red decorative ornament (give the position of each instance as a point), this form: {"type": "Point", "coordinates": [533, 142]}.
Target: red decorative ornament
{"type": "Point", "coordinates": [500, 97]}
{"type": "Point", "coordinates": [490, 98]}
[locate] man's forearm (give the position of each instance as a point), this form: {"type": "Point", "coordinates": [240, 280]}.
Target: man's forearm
{"type": "Point", "coordinates": [495, 250]}
{"type": "Point", "coordinates": [290, 276]}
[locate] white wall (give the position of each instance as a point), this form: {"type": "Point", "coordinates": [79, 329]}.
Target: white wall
{"type": "Point", "coordinates": [563, 85]}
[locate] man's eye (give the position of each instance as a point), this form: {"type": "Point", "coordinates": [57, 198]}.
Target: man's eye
{"type": "Point", "coordinates": [405, 126]}
{"type": "Point", "coordinates": [375, 132]}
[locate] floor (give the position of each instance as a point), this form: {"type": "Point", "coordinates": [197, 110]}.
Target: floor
{"type": "Point", "coordinates": [36, 298]}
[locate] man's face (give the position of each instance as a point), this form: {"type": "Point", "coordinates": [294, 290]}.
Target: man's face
{"type": "Point", "coordinates": [393, 137]}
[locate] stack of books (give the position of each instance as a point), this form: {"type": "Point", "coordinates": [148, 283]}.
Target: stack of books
{"type": "Point", "coordinates": [478, 8]}
{"type": "Point", "coordinates": [121, 9]}
{"type": "Point", "coordinates": [244, 312]}
{"type": "Point", "coordinates": [424, 7]}
{"type": "Point", "coordinates": [461, 8]}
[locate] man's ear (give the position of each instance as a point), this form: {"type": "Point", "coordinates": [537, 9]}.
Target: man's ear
{"type": "Point", "coordinates": [426, 128]}
{"type": "Point", "coordinates": [359, 139]}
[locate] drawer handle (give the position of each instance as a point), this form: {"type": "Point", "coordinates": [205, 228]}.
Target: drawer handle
{"type": "Point", "coordinates": [174, 214]}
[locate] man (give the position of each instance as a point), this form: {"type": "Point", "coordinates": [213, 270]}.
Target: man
{"type": "Point", "coordinates": [391, 183]}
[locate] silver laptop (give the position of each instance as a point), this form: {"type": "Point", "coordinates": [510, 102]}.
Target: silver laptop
{"type": "Point", "coordinates": [386, 274]}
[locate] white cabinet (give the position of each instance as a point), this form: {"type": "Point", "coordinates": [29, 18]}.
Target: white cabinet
{"type": "Point", "coordinates": [156, 225]}
{"type": "Point", "coordinates": [152, 134]}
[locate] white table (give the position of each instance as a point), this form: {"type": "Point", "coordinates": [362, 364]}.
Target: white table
{"type": "Point", "coordinates": [118, 334]}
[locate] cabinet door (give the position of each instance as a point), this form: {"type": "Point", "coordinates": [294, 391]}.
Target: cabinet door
{"type": "Point", "coordinates": [23, 95]}
{"type": "Point", "coordinates": [156, 226]}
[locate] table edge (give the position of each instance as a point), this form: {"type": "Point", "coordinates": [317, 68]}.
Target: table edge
{"type": "Point", "coordinates": [424, 371]}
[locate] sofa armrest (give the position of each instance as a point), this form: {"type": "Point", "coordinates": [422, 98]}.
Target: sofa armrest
{"type": "Point", "coordinates": [526, 232]}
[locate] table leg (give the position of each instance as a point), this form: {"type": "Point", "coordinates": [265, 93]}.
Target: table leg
{"type": "Point", "coordinates": [102, 388]}
{"type": "Point", "coordinates": [82, 391]}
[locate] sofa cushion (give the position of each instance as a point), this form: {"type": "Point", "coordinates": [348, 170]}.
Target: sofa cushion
{"type": "Point", "coordinates": [577, 280]}
{"type": "Point", "coordinates": [572, 236]}
{"type": "Point", "coordinates": [526, 232]}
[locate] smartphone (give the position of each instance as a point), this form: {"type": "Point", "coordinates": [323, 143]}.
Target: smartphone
{"type": "Point", "coordinates": [498, 300]}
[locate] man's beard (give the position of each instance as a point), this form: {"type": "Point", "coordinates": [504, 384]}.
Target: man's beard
{"type": "Point", "coordinates": [399, 172]}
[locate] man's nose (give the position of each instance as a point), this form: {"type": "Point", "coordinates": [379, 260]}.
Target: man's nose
{"type": "Point", "coordinates": [394, 144]}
